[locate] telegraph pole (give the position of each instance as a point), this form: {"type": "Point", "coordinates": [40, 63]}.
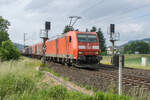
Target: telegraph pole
{"type": "Point", "coordinates": [120, 75]}
{"type": "Point", "coordinates": [24, 39]}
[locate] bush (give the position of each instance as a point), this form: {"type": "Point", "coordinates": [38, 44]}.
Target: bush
{"type": "Point", "coordinates": [109, 96]}
{"type": "Point", "coordinates": [12, 84]}
{"type": "Point", "coordinates": [103, 53]}
{"type": "Point", "coordinates": [58, 92]}
{"type": "Point", "coordinates": [8, 51]}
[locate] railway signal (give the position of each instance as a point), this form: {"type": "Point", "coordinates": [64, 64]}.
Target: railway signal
{"type": "Point", "coordinates": [44, 36]}
{"type": "Point", "coordinates": [113, 37]}
{"type": "Point", "coordinates": [47, 25]}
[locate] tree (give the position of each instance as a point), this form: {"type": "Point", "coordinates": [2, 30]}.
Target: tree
{"type": "Point", "coordinates": [137, 46]}
{"type": "Point", "coordinates": [67, 29]}
{"type": "Point", "coordinates": [86, 30]}
{"type": "Point", "coordinates": [101, 40]}
{"type": "Point", "coordinates": [8, 51]}
{"type": "Point", "coordinates": [93, 29]}
{"type": "Point", "coordinates": [3, 36]}
{"type": "Point", "coordinates": [4, 24]}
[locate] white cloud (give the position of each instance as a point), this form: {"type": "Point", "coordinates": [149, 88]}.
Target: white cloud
{"type": "Point", "coordinates": [138, 1]}
{"type": "Point", "coordinates": [6, 2]}
{"type": "Point", "coordinates": [29, 16]}
{"type": "Point", "coordinates": [130, 27]}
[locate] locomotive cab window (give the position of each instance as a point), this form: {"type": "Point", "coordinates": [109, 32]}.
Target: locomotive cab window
{"type": "Point", "coordinates": [92, 38]}
{"type": "Point", "coordinates": [69, 38]}
{"type": "Point", "coordinates": [87, 38]}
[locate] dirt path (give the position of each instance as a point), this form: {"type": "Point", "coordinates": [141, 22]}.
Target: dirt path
{"type": "Point", "coordinates": [49, 77]}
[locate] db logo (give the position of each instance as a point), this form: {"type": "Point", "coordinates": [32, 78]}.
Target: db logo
{"type": "Point", "coordinates": [88, 46]}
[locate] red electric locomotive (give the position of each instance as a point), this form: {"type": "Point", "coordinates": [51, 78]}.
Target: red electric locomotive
{"type": "Point", "coordinates": [71, 48]}
{"type": "Point", "coordinates": [74, 48]}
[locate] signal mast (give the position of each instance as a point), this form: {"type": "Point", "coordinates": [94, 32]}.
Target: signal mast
{"type": "Point", "coordinates": [44, 36]}
{"type": "Point", "coordinates": [113, 38]}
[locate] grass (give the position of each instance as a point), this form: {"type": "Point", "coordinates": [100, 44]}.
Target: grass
{"type": "Point", "coordinates": [134, 61]}
{"type": "Point", "coordinates": [19, 81]}
{"type": "Point", "coordinates": [131, 60]}
{"type": "Point", "coordinates": [106, 60]}
{"type": "Point", "coordinates": [140, 93]}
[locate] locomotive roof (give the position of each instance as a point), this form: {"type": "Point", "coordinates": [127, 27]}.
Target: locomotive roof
{"type": "Point", "coordinates": [65, 34]}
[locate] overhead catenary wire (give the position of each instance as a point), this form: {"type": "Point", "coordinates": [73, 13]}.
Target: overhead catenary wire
{"type": "Point", "coordinates": [132, 19]}
{"type": "Point", "coordinates": [84, 10]}
{"type": "Point", "coordinates": [121, 16]}
{"type": "Point", "coordinates": [106, 17]}
{"type": "Point", "coordinates": [110, 17]}
{"type": "Point", "coordinates": [91, 7]}
{"type": "Point", "coordinates": [30, 37]}
{"type": "Point", "coordinates": [78, 12]}
{"type": "Point", "coordinates": [76, 20]}
{"type": "Point", "coordinates": [71, 17]}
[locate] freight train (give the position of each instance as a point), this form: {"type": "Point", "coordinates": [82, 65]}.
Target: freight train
{"type": "Point", "coordinates": [72, 48]}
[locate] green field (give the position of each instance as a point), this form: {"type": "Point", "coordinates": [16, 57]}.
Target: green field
{"type": "Point", "coordinates": [19, 80]}
{"type": "Point", "coordinates": [131, 60]}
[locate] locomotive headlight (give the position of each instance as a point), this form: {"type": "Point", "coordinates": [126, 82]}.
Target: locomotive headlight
{"type": "Point", "coordinates": [80, 53]}
{"type": "Point", "coordinates": [95, 47]}
{"type": "Point", "coordinates": [81, 47]}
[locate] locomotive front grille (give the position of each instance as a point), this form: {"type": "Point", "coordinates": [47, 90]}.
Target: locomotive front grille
{"type": "Point", "coordinates": [90, 59]}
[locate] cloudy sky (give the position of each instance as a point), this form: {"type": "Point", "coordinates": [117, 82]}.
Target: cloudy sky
{"type": "Point", "coordinates": [132, 17]}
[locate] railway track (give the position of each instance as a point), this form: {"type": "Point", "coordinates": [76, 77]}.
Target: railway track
{"type": "Point", "coordinates": [102, 78]}
{"type": "Point", "coordinates": [129, 78]}
{"type": "Point", "coordinates": [132, 80]}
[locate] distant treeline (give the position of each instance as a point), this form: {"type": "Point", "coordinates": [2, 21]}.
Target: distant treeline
{"type": "Point", "coordinates": [140, 47]}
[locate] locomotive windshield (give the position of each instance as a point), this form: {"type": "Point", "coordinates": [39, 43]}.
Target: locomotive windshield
{"type": "Point", "coordinates": [87, 38]}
